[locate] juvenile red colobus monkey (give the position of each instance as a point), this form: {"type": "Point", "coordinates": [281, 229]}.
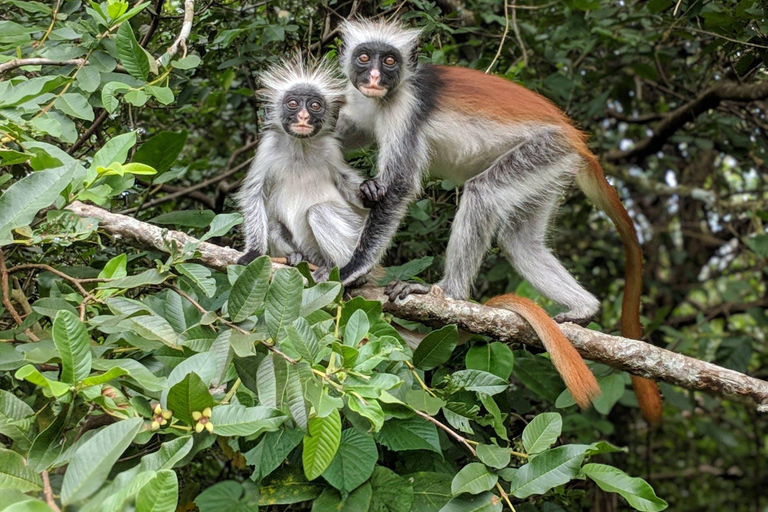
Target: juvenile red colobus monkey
{"type": "Point", "coordinates": [514, 151]}
{"type": "Point", "coordinates": [300, 199]}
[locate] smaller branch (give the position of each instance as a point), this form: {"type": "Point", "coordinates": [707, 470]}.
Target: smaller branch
{"type": "Point", "coordinates": [448, 430]}
{"type": "Point", "coordinates": [50, 27]}
{"type": "Point", "coordinates": [503, 36]}
{"type": "Point", "coordinates": [721, 36]}
{"type": "Point", "coordinates": [35, 61]}
{"type": "Point", "coordinates": [87, 297]}
{"type": "Point", "coordinates": [48, 491]}
{"type": "Point", "coordinates": [181, 40]}
{"type": "Point", "coordinates": [516, 30]}
{"type": "Point", "coordinates": [7, 297]}
{"type": "Point", "coordinates": [90, 131]}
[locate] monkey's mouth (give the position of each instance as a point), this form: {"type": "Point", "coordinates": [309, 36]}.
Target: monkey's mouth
{"type": "Point", "coordinates": [373, 91]}
{"type": "Point", "coordinates": [302, 129]}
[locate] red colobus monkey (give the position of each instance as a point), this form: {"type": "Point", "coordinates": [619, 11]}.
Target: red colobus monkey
{"type": "Point", "coordinates": [300, 199]}
{"type": "Point", "coordinates": [514, 151]}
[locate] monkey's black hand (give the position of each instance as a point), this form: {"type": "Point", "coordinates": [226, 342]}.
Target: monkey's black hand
{"type": "Point", "coordinates": [295, 258]}
{"type": "Point", "coordinates": [372, 191]}
{"type": "Point", "coordinates": [400, 290]}
{"type": "Point", "coordinates": [248, 257]}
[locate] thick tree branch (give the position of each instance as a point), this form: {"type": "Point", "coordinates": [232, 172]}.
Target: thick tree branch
{"type": "Point", "coordinates": [634, 356]}
{"type": "Point", "coordinates": [709, 99]}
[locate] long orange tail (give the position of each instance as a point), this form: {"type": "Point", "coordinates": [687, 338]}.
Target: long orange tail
{"type": "Point", "coordinates": [577, 377]}
{"type": "Point", "coordinates": [592, 181]}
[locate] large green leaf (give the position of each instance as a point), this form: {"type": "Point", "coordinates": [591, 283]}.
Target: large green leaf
{"type": "Point", "coordinates": [15, 416]}
{"type": "Point", "coordinates": [319, 296]}
{"type": "Point", "coordinates": [221, 224]}
{"type": "Point", "coordinates": [636, 491]}
{"type": "Point", "coordinates": [321, 443]}
{"type": "Point", "coordinates": [188, 396]}
{"type": "Point", "coordinates": [238, 420]}
{"type": "Point", "coordinates": [159, 494]}
{"type": "Point", "coordinates": [15, 474]}
{"type": "Point", "coordinates": [21, 201]}
{"type": "Point", "coordinates": [271, 451]}
{"type": "Point", "coordinates": [115, 150]}
{"type": "Point", "coordinates": [547, 470]}
{"type": "Point", "coordinates": [200, 276]}
{"type": "Point", "coordinates": [356, 328]}
{"type": "Point", "coordinates": [485, 502]}
{"type": "Point", "coordinates": [75, 105]}
{"type": "Point", "coordinates": [354, 462]}
{"type": "Point", "coordinates": [473, 478]}
{"type": "Point", "coordinates": [496, 358]}
{"type": "Point", "coordinates": [226, 496]}
{"type": "Point", "coordinates": [409, 434]}
{"type": "Point", "coordinates": [249, 290]}
{"type": "Point", "coordinates": [331, 501]}
{"type": "Point", "coordinates": [131, 54]}
{"type": "Point", "coordinates": [90, 466]}
{"type": "Point", "coordinates": [31, 374]}
{"type": "Point", "coordinates": [436, 348]}
{"type": "Point", "coordinates": [48, 444]}
{"type": "Point", "coordinates": [74, 345]}
{"type": "Point", "coordinates": [161, 150]}
{"type": "Point", "coordinates": [431, 491]}
{"type": "Point", "coordinates": [287, 485]}
{"type": "Point", "coordinates": [542, 432]}
{"type": "Point", "coordinates": [391, 492]}
{"type": "Point", "coordinates": [283, 301]}
{"type": "Point", "coordinates": [493, 456]}
{"type": "Point", "coordinates": [480, 381]}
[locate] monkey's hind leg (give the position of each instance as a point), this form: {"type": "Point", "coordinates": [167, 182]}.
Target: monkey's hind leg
{"type": "Point", "coordinates": [522, 240]}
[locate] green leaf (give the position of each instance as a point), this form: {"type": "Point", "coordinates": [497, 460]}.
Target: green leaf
{"type": "Point", "coordinates": [474, 478]}
{"type": "Point", "coordinates": [287, 485]}
{"type": "Point", "coordinates": [612, 388]}
{"type": "Point", "coordinates": [391, 492]}
{"type": "Point", "coordinates": [283, 301]}
{"type": "Point", "coordinates": [109, 93]}
{"type": "Point", "coordinates": [294, 397]}
{"type": "Point", "coordinates": [148, 277]}
{"type": "Point", "coordinates": [423, 401]}
{"type": "Point", "coordinates": [161, 151]}
{"type": "Point", "coordinates": [226, 496]}
{"type": "Point", "coordinates": [759, 244]}
{"type": "Point", "coordinates": [493, 456]}
{"type": "Point", "coordinates": [321, 443]}
{"type": "Point", "coordinates": [112, 374]}
{"type": "Point", "coordinates": [14, 474]}
{"type": "Point", "coordinates": [21, 201]}
{"type": "Point", "coordinates": [75, 105]}
{"type": "Point", "coordinates": [480, 381]}
{"type": "Point", "coordinates": [636, 491]}
{"type": "Point", "coordinates": [163, 94]}
{"type": "Point", "coordinates": [221, 224]}
{"type": "Point", "coordinates": [436, 348]}
{"type": "Point", "coordinates": [30, 373]}
{"type": "Point", "coordinates": [354, 461]}
{"type": "Point", "coordinates": [15, 416]}
{"type": "Point", "coordinates": [548, 470]}
{"type": "Point", "coordinates": [90, 466]}
{"type": "Point", "coordinates": [185, 218]}
{"type": "Point", "coordinates": [331, 501]}
{"type": "Point", "coordinates": [485, 502]}
{"type": "Point", "coordinates": [249, 290]}
{"type": "Point", "coordinates": [115, 150]}
{"type": "Point", "coordinates": [318, 297]}
{"type": "Point", "coordinates": [138, 169]}
{"type": "Point", "coordinates": [74, 345]}
{"type": "Point", "coordinates": [356, 328]}
{"type": "Point", "coordinates": [431, 491]}
{"type": "Point", "coordinates": [115, 268]}
{"type": "Point", "coordinates": [409, 434]}
{"type": "Point", "coordinates": [131, 54]}
{"type": "Point", "coordinates": [542, 432]}
{"type": "Point", "coordinates": [496, 358]}
{"type": "Point", "coordinates": [271, 451]}
{"type": "Point", "coordinates": [188, 62]}
{"type": "Point", "coordinates": [188, 396]}
{"type": "Point", "coordinates": [159, 494]}
{"type": "Point", "coordinates": [200, 276]}
{"type": "Point", "coordinates": [305, 343]}
{"type": "Point", "coordinates": [237, 420]}
{"type": "Point", "coordinates": [48, 444]}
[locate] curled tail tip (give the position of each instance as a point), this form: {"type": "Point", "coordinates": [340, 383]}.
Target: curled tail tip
{"type": "Point", "coordinates": [649, 399]}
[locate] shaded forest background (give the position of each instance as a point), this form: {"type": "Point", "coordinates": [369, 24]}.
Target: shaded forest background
{"type": "Point", "coordinates": [674, 96]}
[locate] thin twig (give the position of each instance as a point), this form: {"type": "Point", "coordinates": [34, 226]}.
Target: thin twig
{"type": "Point", "coordinates": [505, 496]}
{"type": "Point", "coordinates": [7, 297]}
{"type": "Point", "coordinates": [50, 27]}
{"type": "Point", "coordinates": [48, 491]}
{"type": "Point", "coordinates": [516, 30]}
{"type": "Point", "coordinates": [720, 36]}
{"type": "Point", "coordinates": [87, 297]}
{"type": "Point", "coordinates": [448, 430]}
{"type": "Point", "coordinates": [35, 61]}
{"type": "Point", "coordinates": [181, 40]}
{"type": "Point", "coordinates": [503, 37]}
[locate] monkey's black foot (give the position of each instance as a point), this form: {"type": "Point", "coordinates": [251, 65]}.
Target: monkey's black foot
{"type": "Point", "coordinates": [400, 290]}
{"type": "Point", "coordinates": [574, 317]}
{"type": "Point", "coordinates": [322, 274]}
{"type": "Point", "coordinates": [295, 258]}
{"type": "Point", "coordinates": [372, 191]}
{"type": "Point", "coordinates": [248, 257]}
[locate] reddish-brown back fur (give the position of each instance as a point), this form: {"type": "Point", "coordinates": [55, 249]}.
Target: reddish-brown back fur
{"type": "Point", "coordinates": [577, 377]}
{"type": "Point", "coordinates": [474, 93]}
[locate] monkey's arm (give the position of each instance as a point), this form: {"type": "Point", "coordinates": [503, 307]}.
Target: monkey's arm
{"type": "Point", "coordinates": [400, 166]}
{"type": "Point", "coordinates": [250, 199]}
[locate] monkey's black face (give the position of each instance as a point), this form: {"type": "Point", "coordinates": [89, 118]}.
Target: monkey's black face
{"type": "Point", "coordinates": [376, 69]}
{"type": "Point", "coordinates": [303, 111]}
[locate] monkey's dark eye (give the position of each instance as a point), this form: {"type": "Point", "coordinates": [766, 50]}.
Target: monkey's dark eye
{"type": "Point", "coordinates": [292, 104]}
{"type": "Point", "coordinates": [390, 60]}
{"type": "Point", "coordinates": [315, 106]}
{"type": "Point", "coordinates": [364, 58]}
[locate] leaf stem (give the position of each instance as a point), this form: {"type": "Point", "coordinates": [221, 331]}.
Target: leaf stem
{"type": "Point", "coordinates": [231, 391]}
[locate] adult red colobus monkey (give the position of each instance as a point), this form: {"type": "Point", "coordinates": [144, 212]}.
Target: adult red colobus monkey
{"type": "Point", "coordinates": [514, 151]}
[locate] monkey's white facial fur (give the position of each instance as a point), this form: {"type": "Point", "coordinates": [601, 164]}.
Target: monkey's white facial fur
{"type": "Point", "coordinates": [377, 56]}
{"type": "Point", "coordinates": [302, 100]}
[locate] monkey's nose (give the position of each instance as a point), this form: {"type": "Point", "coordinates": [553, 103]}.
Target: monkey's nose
{"type": "Point", "coordinates": [303, 116]}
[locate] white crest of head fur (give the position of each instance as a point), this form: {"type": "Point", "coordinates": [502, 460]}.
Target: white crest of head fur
{"type": "Point", "coordinates": [290, 73]}
{"type": "Point", "coordinates": [357, 32]}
